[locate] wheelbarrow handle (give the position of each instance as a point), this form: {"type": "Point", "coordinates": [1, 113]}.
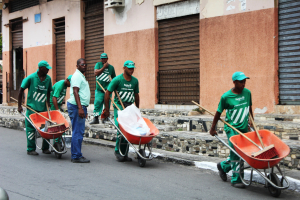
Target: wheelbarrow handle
{"type": "Point", "coordinates": [27, 119]}
{"type": "Point", "coordinates": [34, 111]}
{"type": "Point", "coordinates": [239, 132]}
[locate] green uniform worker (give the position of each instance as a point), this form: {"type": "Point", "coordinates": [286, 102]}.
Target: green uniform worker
{"type": "Point", "coordinates": [57, 96]}
{"type": "Point", "coordinates": [39, 87]}
{"type": "Point", "coordinates": [238, 103]}
{"type": "Point", "coordinates": [59, 92]}
{"type": "Point", "coordinates": [128, 88]}
{"type": "Point", "coordinates": [103, 72]}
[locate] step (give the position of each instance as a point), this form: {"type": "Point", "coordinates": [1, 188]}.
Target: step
{"type": "Point", "coordinates": [172, 121]}
{"type": "Point", "coordinates": [278, 117]}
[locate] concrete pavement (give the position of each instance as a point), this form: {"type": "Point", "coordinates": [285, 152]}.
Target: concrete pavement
{"type": "Point", "coordinates": [45, 177]}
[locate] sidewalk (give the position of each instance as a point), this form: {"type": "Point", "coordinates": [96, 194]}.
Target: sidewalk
{"type": "Point", "coordinates": [201, 162]}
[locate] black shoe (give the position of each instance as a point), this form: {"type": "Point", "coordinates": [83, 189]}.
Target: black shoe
{"type": "Point", "coordinates": [32, 153]}
{"type": "Point", "coordinates": [46, 151]}
{"type": "Point", "coordinates": [222, 174]}
{"type": "Point", "coordinates": [95, 121]}
{"type": "Point", "coordinates": [238, 185]}
{"type": "Point", "coordinates": [127, 159]}
{"type": "Point", "coordinates": [119, 157]}
{"type": "Point", "coordinates": [80, 160]}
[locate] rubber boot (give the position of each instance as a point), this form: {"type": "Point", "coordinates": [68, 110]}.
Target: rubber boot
{"type": "Point", "coordinates": [95, 120]}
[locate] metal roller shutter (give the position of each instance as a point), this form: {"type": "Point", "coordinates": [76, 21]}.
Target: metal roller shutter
{"type": "Point", "coordinates": [289, 52]}
{"type": "Point", "coordinates": [17, 5]}
{"type": "Point", "coordinates": [94, 40]}
{"type": "Point", "coordinates": [17, 35]}
{"type": "Point", "coordinates": [60, 41]}
{"type": "Point", "coordinates": [179, 60]}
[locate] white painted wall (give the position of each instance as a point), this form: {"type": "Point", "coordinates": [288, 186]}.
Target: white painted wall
{"type": "Point", "coordinates": [37, 34]}
{"type": "Point", "coordinates": [215, 8]}
{"type": "Point", "coordinates": [133, 17]}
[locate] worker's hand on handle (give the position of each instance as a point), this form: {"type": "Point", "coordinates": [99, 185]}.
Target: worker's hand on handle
{"type": "Point", "coordinates": [81, 113]}
{"type": "Point", "coordinates": [105, 113]}
{"type": "Point", "coordinates": [213, 132]}
{"type": "Point", "coordinates": [20, 109]}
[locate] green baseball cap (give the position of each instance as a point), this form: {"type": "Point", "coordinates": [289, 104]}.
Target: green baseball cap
{"type": "Point", "coordinates": [239, 76]}
{"type": "Point", "coordinates": [69, 77]}
{"type": "Point", "coordinates": [103, 55]}
{"type": "Point", "coordinates": [129, 64]}
{"type": "Point", "coordinates": [44, 63]}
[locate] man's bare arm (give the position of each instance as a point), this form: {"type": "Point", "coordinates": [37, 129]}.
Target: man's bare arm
{"type": "Point", "coordinates": [213, 131]}
{"type": "Point", "coordinates": [77, 99]}
{"type": "Point", "coordinates": [54, 100]}
{"type": "Point", "coordinates": [20, 97]}
{"type": "Point", "coordinates": [99, 71]}
{"type": "Point", "coordinates": [137, 100]}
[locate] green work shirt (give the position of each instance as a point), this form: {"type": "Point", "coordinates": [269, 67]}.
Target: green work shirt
{"type": "Point", "coordinates": [237, 109]}
{"type": "Point", "coordinates": [103, 78]}
{"type": "Point", "coordinates": [37, 91]}
{"type": "Point", "coordinates": [59, 91]}
{"type": "Point", "coordinates": [79, 80]}
{"type": "Point", "coordinates": [126, 89]}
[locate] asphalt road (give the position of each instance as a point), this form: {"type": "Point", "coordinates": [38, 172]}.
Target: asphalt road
{"type": "Point", "coordinates": [46, 177]}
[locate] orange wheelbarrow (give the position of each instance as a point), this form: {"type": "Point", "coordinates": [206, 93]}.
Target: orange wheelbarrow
{"type": "Point", "coordinates": [243, 148]}
{"type": "Point", "coordinates": [143, 142]}
{"type": "Point", "coordinates": [36, 121]}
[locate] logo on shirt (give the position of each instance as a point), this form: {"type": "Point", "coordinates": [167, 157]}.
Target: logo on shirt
{"type": "Point", "coordinates": [240, 99]}
{"type": "Point", "coordinates": [127, 85]}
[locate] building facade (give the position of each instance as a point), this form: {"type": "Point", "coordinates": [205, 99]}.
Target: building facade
{"type": "Point", "coordinates": [183, 50]}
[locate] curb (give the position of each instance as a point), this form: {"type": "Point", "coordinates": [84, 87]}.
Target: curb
{"type": "Point", "coordinates": [156, 155]}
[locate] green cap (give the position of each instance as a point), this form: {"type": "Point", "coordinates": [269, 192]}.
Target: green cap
{"type": "Point", "coordinates": [104, 55]}
{"type": "Point", "coordinates": [44, 63]}
{"type": "Point", "coordinates": [239, 76]}
{"type": "Point", "coordinates": [129, 64]}
{"type": "Point", "coordinates": [69, 77]}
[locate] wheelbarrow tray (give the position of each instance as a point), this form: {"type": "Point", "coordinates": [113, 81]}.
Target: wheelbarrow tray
{"type": "Point", "coordinates": [134, 139]}
{"type": "Point", "coordinates": [56, 116]}
{"type": "Point", "coordinates": [245, 148]}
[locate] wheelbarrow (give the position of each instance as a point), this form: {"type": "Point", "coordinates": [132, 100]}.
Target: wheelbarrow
{"type": "Point", "coordinates": [144, 142]}
{"type": "Point", "coordinates": [36, 121]}
{"type": "Point", "coordinates": [243, 148]}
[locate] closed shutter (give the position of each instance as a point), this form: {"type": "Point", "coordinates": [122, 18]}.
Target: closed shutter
{"type": "Point", "coordinates": [289, 52]}
{"type": "Point", "coordinates": [17, 34]}
{"type": "Point", "coordinates": [17, 5]}
{"type": "Point", "coordinates": [179, 60]}
{"type": "Point", "coordinates": [94, 40]}
{"type": "Point", "coordinates": [59, 31]}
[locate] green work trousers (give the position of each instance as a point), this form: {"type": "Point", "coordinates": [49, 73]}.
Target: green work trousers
{"type": "Point", "coordinates": [99, 103]}
{"type": "Point", "coordinates": [124, 144]}
{"type": "Point", "coordinates": [30, 134]}
{"type": "Point", "coordinates": [232, 162]}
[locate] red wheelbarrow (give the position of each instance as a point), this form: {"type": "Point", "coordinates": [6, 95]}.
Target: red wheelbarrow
{"type": "Point", "coordinates": [138, 140]}
{"type": "Point", "coordinates": [243, 148]}
{"type": "Point", "coordinates": [36, 121]}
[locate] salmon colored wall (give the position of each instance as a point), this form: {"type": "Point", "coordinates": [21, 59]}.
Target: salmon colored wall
{"type": "Point", "coordinates": [6, 56]}
{"type": "Point", "coordinates": [138, 46]}
{"type": "Point", "coordinates": [241, 42]}
{"type": "Point", "coordinates": [74, 51]}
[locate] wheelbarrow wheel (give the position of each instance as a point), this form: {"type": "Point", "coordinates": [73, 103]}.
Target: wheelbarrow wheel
{"type": "Point", "coordinates": [58, 147]}
{"type": "Point", "coordinates": [141, 161]}
{"type": "Point", "coordinates": [275, 192]}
